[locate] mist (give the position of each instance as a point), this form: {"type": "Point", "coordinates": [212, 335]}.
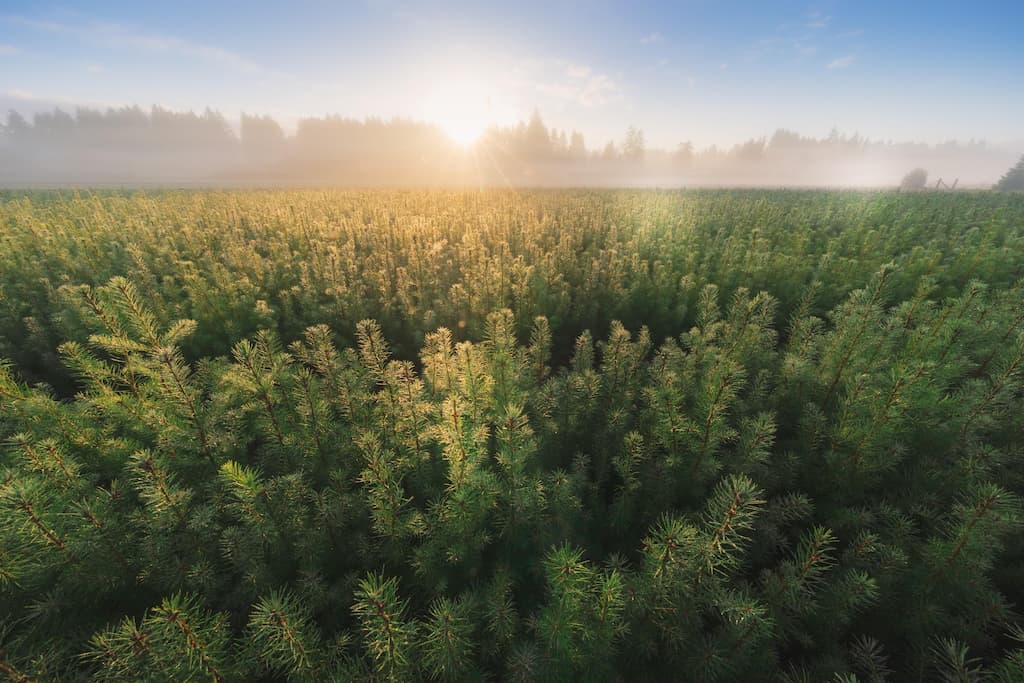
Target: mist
{"type": "Point", "coordinates": [133, 147]}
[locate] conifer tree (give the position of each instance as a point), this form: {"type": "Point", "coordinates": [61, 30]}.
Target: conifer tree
{"type": "Point", "coordinates": [1013, 179]}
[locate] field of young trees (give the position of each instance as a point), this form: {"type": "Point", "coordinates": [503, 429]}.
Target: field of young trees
{"type": "Point", "coordinates": [511, 435]}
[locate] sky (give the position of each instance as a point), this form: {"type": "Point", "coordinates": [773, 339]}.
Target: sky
{"type": "Point", "coordinates": [700, 71]}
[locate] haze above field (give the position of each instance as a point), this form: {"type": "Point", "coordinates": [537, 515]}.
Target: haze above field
{"type": "Point", "coordinates": [705, 88]}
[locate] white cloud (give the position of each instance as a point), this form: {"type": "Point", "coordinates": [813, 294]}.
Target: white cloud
{"type": "Point", "coordinates": [816, 20]}
{"type": "Point", "coordinates": [841, 62]}
{"type": "Point", "coordinates": [30, 102]}
{"type": "Point", "coordinates": [119, 35]}
{"type": "Point", "coordinates": [94, 68]}
{"type": "Point", "coordinates": [598, 89]}
{"type": "Point", "coordinates": [35, 23]}
{"type": "Point", "coordinates": [125, 37]}
{"type": "Point", "coordinates": [22, 95]}
{"type": "Point", "coordinates": [8, 49]}
{"type": "Point", "coordinates": [569, 82]}
{"type": "Point", "coordinates": [856, 33]}
{"type": "Point", "coordinates": [651, 38]}
{"type": "Point", "coordinates": [594, 91]}
{"type": "Point", "coordinates": [577, 71]}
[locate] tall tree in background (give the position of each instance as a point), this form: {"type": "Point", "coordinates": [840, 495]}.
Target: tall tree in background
{"type": "Point", "coordinates": [262, 138]}
{"type": "Point", "coordinates": [683, 156]}
{"type": "Point", "coordinates": [538, 140]}
{"type": "Point", "coordinates": [1013, 180]}
{"type": "Point", "coordinates": [577, 147]}
{"type": "Point", "coordinates": [633, 148]}
{"type": "Point", "coordinates": [610, 153]}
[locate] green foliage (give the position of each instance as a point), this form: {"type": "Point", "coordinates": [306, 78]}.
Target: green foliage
{"type": "Point", "coordinates": [176, 640]}
{"type": "Point", "coordinates": [549, 436]}
{"type": "Point", "coordinates": [914, 180]}
{"type": "Point", "coordinates": [388, 636]}
{"type": "Point", "coordinates": [447, 640]}
{"type": "Point", "coordinates": [284, 639]}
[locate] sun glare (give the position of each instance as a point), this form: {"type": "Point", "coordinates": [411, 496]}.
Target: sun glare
{"type": "Point", "coordinates": [463, 108]}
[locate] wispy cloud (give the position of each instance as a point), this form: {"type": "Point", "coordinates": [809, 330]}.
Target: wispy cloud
{"type": "Point", "coordinates": [855, 33]}
{"type": "Point", "coordinates": [94, 68]}
{"type": "Point", "coordinates": [841, 62]}
{"type": "Point", "coordinates": [593, 91]}
{"type": "Point", "coordinates": [817, 20]}
{"type": "Point", "coordinates": [127, 37]}
{"type": "Point", "coordinates": [38, 24]}
{"type": "Point", "coordinates": [8, 50]}
{"type": "Point", "coordinates": [568, 82]}
{"type": "Point", "coordinates": [577, 71]}
{"type": "Point", "coordinates": [21, 95]}
{"type": "Point", "coordinates": [651, 38]}
{"type": "Point", "coordinates": [28, 101]}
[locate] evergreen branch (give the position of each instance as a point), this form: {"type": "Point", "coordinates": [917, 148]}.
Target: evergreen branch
{"type": "Point", "coordinates": [381, 614]}
{"type": "Point", "coordinates": [176, 612]}
{"type": "Point", "coordinates": [284, 637]}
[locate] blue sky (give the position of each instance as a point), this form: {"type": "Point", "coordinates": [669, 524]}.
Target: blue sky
{"type": "Point", "coordinates": [710, 72]}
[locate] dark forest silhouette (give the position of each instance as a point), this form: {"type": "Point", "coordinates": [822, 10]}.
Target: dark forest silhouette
{"type": "Point", "coordinates": [131, 146]}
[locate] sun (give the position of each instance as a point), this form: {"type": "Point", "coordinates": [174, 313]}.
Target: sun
{"type": "Point", "coordinates": [462, 107]}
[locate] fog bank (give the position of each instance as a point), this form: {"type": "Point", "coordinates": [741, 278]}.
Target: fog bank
{"type": "Point", "coordinates": [159, 147]}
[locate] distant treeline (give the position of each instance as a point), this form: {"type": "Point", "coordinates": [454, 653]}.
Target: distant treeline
{"type": "Point", "coordinates": [132, 146]}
